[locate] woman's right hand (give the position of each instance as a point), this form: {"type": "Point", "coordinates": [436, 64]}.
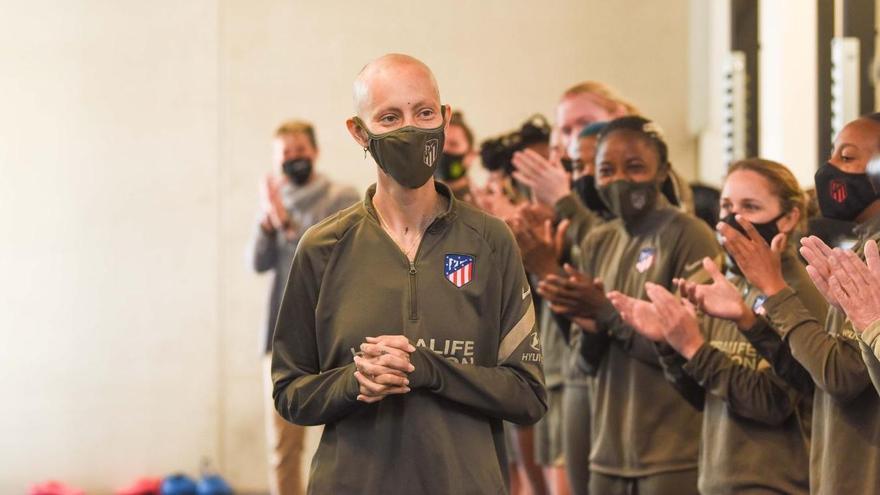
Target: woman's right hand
{"type": "Point", "coordinates": [819, 258]}
{"type": "Point", "coordinates": [639, 314]}
{"type": "Point", "coordinates": [720, 299]}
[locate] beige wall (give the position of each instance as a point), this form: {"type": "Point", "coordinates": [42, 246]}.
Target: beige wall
{"type": "Point", "coordinates": [788, 112]}
{"type": "Point", "coordinates": [132, 136]}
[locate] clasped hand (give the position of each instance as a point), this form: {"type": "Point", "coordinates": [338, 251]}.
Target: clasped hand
{"type": "Point", "coordinates": [383, 367]}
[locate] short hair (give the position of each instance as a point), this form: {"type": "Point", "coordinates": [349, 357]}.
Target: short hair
{"type": "Point", "coordinates": [457, 120]}
{"type": "Point", "coordinates": [608, 97]}
{"type": "Point", "coordinates": [645, 128]}
{"type": "Point", "coordinates": [782, 182]}
{"type": "Point", "coordinates": [593, 129]}
{"type": "Point", "coordinates": [291, 127]}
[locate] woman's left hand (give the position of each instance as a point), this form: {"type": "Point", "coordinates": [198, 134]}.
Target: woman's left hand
{"type": "Point", "coordinates": [856, 285]}
{"type": "Point", "coordinates": [682, 330]}
{"type": "Point", "coordinates": [760, 264]}
{"type": "Point", "coordinates": [575, 295]}
{"type": "Point", "coordinates": [641, 315]}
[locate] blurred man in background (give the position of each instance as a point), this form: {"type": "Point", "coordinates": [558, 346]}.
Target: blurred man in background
{"type": "Point", "coordinates": [457, 157]}
{"type": "Point", "coordinates": [293, 198]}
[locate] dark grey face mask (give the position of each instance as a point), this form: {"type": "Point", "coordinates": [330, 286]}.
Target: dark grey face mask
{"type": "Point", "coordinates": [409, 154]}
{"type": "Point", "coordinates": [629, 200]}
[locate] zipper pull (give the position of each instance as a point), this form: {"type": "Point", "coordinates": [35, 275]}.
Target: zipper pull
{"type": "Point", "coordinates": [412, 268]}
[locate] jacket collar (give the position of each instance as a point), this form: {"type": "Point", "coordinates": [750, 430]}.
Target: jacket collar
{"type": "Point", "coordinates": [441, 222]}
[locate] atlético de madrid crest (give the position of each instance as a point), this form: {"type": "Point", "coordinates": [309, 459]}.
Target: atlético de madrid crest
{"type": "Point", "coordinates": [646, 259]}
{"type": "Point", "coordinates": [459, 269]}
{"type": "Point", "coordinates": [431, 152]}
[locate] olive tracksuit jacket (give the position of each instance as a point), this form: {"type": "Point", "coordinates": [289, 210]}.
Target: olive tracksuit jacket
{"type": "Point", "coordinates": [752, 418]}
{"type": "Point", "coordinates": [871, 350]}
{"type": "Point", "coordinates": [640, 425]}
{"type": "Point", "coordinates": [464, 303]}
{"type": "Point", "coordinates": [575, 371]}
{"type": "Point", "coordinates": [845, 453]}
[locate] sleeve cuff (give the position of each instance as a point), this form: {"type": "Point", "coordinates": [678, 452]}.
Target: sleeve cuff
{"type": "Point", "coordinates": [699, 363]}
{"type": "Point", "coordinates": [871, 334]}
{"type": "Point", "coordinates": [785, 312]}
{"type": "Point", "coordinates": [668, 356]}
{"type": "Point", "coordinates": [760, 326]}
{"type": "Point", "coordinates": [352, 388]}
{"type": "Point", "coordinates": [606, 317]}
{"type": "Point", "coordinates": [421, 377]}
{"type": "Point", "coordinates": [774, 301]}
{"type": "Point", "coordinates": [665, 350]}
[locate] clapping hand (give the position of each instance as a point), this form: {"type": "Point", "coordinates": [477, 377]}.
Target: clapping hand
{"type": "Point", "coordinates": [819, 256]}
{"type": "Point", "coordinates": [541, 245]}
{"type": "Point", "coordinates": [855, 285]}
{"type": "Point", "coordinates": [720, 299]}
{"type": "Point", "coordinates": [639, 314]}
{"type": "Point", "coordinates": [681, 329]}
{"type": "Point", "coordinates": [573, 295]}
{"type": "Point", "coordinates": [760, 264]}
{"type": "Point", "coordinates": [275, 214]}
{"type": "Point", "coordinates": [547, 179]}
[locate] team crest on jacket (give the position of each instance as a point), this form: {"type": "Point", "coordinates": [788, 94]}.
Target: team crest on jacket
{"type": "Point", "coordinates": [758, 307]}
{"type": "Point", "coordinates": [459, 269]}
{"type": "Point", "coordinates": [646, 259]}
{"type": "Point", "coordinates": [431, 151]}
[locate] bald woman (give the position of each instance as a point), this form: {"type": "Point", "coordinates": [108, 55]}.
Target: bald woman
{"type": "Point", "coordinates": [407, 326]}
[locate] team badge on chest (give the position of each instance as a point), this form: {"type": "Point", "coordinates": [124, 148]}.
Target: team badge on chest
{"type": "Point", "coordinates": [646, 259]}
{"type": "Point", "coordinates": [758, 306]}
{"type": "Point", "coordinates": [459, 269]}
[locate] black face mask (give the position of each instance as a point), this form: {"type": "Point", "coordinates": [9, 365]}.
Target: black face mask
{"type": "Point", "coordinates": [629, 200]}
{"type": "Point", "coordinates": [585, 187]}
{"type": "Point", "coordinates": [841, 195]}
{"type": "Point", "coordinates": [768, 231]}
{"type": "Point", "coordinates": [408, 154]}
{"type": "Point", "coordinates": [450, 167]}
{"type": "Point", "coordinates": [567, 164]}
{"type": "Point", "coordinates": [298, 170]}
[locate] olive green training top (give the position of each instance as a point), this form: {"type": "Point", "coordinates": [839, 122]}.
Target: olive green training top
{"type": "Point", "coordinates": [845, 453]}
{"type": "Point", "coordinates": [477, 362]}
{"type": "Point", "coordinates": [752, 418]}
{"type": "Point", "coordinates": [871, 350]}
{"type": "Point", "coordinates": [557, 331]}
{"type": "Point", "coordinates": [640, 425]}
{"type": "Point", "coordinates": [574, 370]}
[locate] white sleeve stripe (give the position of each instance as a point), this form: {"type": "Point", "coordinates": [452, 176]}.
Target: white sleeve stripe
{"type": "Point", "coordinates": [517, 334]}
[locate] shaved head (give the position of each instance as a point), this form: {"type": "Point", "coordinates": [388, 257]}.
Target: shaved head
{"type": "Point", "coordinates": [391, 72]}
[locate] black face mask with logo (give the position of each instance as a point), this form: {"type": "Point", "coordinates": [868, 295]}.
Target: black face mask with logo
{"type": "Point", "coordinates": [767, 230]}
{"type": "Point", "coordinates": [629, 200]}
{"type": "Point", "coordinates": [408, 154]}
{"type": "Point", "coordinates": [298, 170]}
{"type": "Point", "coordinates": [842, 195]}
{"type": "Point", "coordinates": [450, 167]}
